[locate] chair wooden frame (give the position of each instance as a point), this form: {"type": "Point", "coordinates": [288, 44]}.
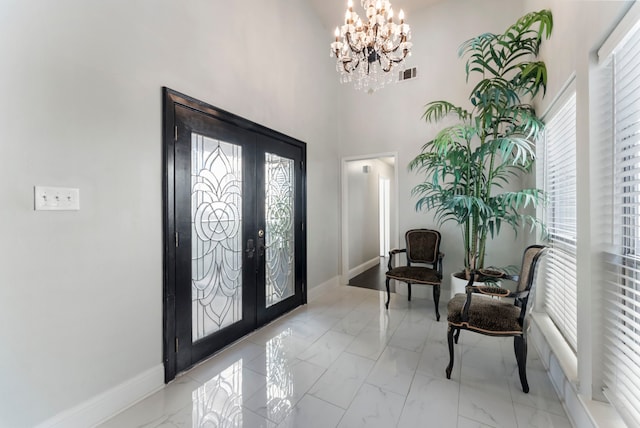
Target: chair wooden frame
{"type": "Point", "coordinates": [411, 274]}
{"type": "Point", "coordinates": [463, 318]}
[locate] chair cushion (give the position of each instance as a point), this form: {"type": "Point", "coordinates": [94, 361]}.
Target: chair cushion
{"type": "Point", "coordinates": [486, 315]}
{"type": "Point", "coordinates": [415, 275]}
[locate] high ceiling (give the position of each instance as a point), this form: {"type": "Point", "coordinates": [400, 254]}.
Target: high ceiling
{"type": "Point", "coordinates": [331, 12]}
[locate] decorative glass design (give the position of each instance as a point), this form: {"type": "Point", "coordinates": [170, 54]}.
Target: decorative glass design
{"type": "Point", "coordinates": [279, 208]}
{"type": "Point", "coordinates": [218, 402]}
{"type": "Point", "coordinates": [216, 237]}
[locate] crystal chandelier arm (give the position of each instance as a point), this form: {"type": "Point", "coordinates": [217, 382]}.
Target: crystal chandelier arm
{"type": "Point", "coordinates": [388, 68]}
{"type": "Point", "coordinates": [352, 65]}
{"type": "Point", "coordinates": [395, 48]}
{"type": "Point", "coordinates": [352, 46]}
{"type": "Point", "coordinates": [404, 31]}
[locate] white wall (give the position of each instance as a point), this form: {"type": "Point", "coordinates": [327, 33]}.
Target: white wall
{"type": "Point", "coordinates": [363, 213]}
{"type": "Point", "coordinates": [389, 120]}
{"type": "Point", "coordinates": [363, 210]}
{"type": "Point", "coordinates": [81, 292]}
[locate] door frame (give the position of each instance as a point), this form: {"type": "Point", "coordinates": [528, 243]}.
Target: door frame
{"type": "Point", "coordinates": [384, 209]}
{"type": "Point", "coordinates": [344, 190]}
{"type": "Point", "coordinates": [171, 99]}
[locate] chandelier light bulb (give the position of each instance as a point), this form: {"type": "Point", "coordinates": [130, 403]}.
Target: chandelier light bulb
{"type": "Point", "coordinates": [370, 53]}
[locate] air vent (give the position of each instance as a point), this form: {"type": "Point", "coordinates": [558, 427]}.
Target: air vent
{"type": "Point", "coordinates": [409, 73]}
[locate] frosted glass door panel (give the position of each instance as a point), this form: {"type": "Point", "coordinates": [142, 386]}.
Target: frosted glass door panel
{"type": "Point", "coordinates": [216, 237]}
{"type": "Point", "coordinates": [279, 233]}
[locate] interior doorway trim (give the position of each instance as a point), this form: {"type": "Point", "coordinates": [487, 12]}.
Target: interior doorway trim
{"type": "Point", "coordinates": [344, 206]}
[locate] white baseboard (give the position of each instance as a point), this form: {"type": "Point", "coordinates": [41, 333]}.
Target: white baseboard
{"type": "Point", "coordinates": [101, 407]}
{"type": "Point", "coordinates": [320, 289]}
{"type": "Point", "coordinates": [561, 366]}
{"type": "Point", "coordinates": [108, 404]}
{"type": "Point", "coordinates": [363, 267]}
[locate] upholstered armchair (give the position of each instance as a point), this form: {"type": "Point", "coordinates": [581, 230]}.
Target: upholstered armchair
{"type": "Point", "coordinates": [424, 263]}
{"type": "Point", "coordinates": [485, 310]}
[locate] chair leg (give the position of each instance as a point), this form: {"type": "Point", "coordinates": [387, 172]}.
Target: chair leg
{"type": "Point", "coordinates": [520, 346]}
{"type": "Point", "coordinates": [450, 331]}
{"type": "Point", "coordinates": [457, 336]}
{"type": "Point", "coordinates": [436, 300]}
{"type": "Point", "coordinates": [388, 294]}
{"type": "Point", "coordinates": [409, 288]}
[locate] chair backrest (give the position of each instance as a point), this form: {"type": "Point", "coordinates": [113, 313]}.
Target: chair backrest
{"type": "Point", "coordinates": [423, 245]}
{"type": "Point", "coordinates": [530, 260]}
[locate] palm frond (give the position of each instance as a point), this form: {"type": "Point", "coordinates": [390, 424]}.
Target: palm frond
{"type": "Point", "coordinates": [437, 110]}
{"type": "Point", "coordinates": [469, 166]}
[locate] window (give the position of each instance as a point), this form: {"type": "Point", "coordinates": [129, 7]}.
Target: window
{"type": "Point", "coordinates": [557, 167]}
{"type": "Point", "coordinates": [622, 293]}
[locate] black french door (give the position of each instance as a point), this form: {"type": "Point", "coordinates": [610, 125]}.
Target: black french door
{"type": "Point", "coordinates": [235, 247]}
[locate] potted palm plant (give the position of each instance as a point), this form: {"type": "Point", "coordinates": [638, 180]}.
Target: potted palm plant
{"type": "Point", "coordinates": [468, 166]}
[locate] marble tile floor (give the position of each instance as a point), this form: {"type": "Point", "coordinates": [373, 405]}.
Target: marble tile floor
{"type": "Point", "coordinates": [344, 361]}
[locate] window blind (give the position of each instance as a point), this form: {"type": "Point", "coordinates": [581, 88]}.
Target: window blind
{"type": "Point", "coordinates": [559, 172]}
{"type": "Point", "coordinates": [622, 292]}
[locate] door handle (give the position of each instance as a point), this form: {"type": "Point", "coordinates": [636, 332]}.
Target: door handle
{"type": "Point", "coordinates": [250, 248]}
{"type": "Point", "coordinates": [261, 246]}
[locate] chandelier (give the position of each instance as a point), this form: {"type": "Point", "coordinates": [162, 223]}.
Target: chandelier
{"type": "Point", "coordinates": [368, 51]}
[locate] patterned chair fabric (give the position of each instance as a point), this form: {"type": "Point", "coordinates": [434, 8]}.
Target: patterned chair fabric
{"type": "Point", "coordinates": [483, 311]}
{"type": "Point", "coordinates": [422, 248]}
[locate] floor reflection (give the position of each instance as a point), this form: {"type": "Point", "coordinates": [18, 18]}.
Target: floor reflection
{"type": "Point", "coordinates": [218, 402]}
{"type": "Point", "coordinates": [279, 378]}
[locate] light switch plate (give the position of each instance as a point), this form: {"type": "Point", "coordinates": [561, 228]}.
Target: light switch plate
{"type": "Point", "coordinates": [56, 198]}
